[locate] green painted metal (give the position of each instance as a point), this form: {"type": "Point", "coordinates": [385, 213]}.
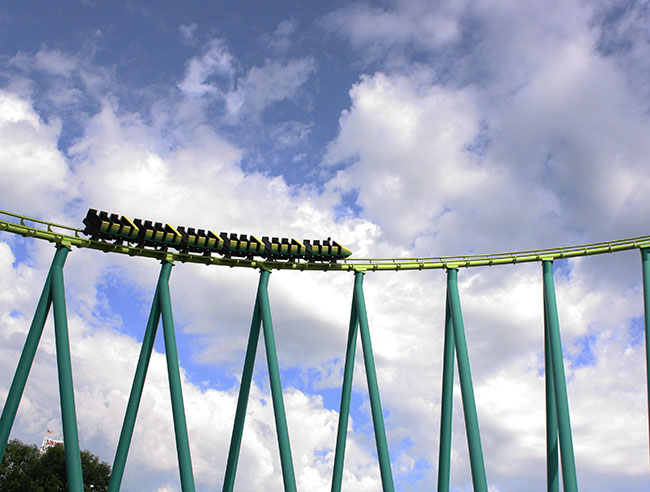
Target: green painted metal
{"type": "Point", "coordinates": [447, 403]}
{"type": "Point", "coordinates": [552, 479]}
{"type": "Point", "coordinates": [72, 236]}
{"type": "Point", "coordinates": [645, 263]}
{"type": "Point", "coordinates": [346, 391]}
{"type": "Point", "coordinates": [569, 477]}
{"type": "Point", "coordinates": [175, 390]}
{"type": "Point", "coordinates": [244, 392]}
{"type": "Point", "coordinates": [136, 392]}
{"type": "Point", "coordinates": [27, 356]}
{"type": "Point", "coordinates": [64, 369]}
{"type": "Point", "coordinates": [281, 428]}
{"type": "Point", "coordinates": [477, 465]}
{"type": "Point", "coordinates": [557, 409]}
{"type": "Point", "coordinates": [373, 388]}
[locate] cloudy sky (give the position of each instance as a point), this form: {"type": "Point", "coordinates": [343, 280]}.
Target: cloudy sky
{"type": "Point", "coordinates": [399, 128]}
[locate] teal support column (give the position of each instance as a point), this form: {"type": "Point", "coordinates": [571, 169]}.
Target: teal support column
{"type": "Point", "coordinates": [569, 477]}
{"type": "Point", "coordinates": [244, 392]}
{"type": "Point", "coordinates": [552, 481]}
{"type": "Point", "coordinates": [288, 476]}
{"type": "Point", "coordinates": [477, 465]}
{"type": "Point", "coordinates": [27, 356]}
{"type": "Point", "coordinates": [66, 390]}
{"type": "Point", "coordinates": [346, 391]}
{"type": "Point", "coordinates": [447, 403]}
{"type": "Point", "coordinates": [645, 262]}
{"type": "Point", "coordinates": [176, 392]}
{"type": "Point", "coordinates": [136, 390]}
{"type": "Point", "coordinates": [373, 388]}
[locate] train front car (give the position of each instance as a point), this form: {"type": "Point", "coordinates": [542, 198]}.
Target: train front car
{"type": "Point", "coordinates": [102, 226]}
{"type": "Point", "coordinates": [326, 250]}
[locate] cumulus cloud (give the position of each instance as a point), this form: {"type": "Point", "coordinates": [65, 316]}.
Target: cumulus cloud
{"type": "Point", "coordinates": [419, 23]}
{"type": "Point", "coordinates": [215, 75]}
{"type": "Point", "coordinates": [409, 147]}
{"type": "Point", "coordinates": [272, 82]}
{"type": "Point", "coordinates": [35, 175]}
{"type": "Point", "coordinates": [533, 135]}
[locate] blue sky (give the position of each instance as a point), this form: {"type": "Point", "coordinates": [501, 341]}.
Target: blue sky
{"type": "Point", "coordinates": [399, 128]}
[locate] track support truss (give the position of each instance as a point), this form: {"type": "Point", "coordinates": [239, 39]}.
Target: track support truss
{"type": "Point", "coordinates": [559, 441]}
{"type": "Point", "coordinates": [455, 341]}
{"type": "Point", "coordinates": [261, 316]}
{"type": "Point", "coordinates": [53, 294]}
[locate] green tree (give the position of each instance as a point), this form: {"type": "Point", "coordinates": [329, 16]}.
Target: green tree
{"type": "Point", "coordinates": [16, 467]}
{"type": "Point", "coordinates": [24, 469]}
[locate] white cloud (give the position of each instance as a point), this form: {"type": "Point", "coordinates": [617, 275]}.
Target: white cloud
{"type": "Point", "coordinates": [188, 33]}
{"type": "Point", "coordinates": [272, 82]}
{"type": "Point", "coordinates": [584, 138]}
{"type": "Point", "coordinates": [409, 147]}
{"type": "Point", "coordinates": [55, 62]}
{"type": "Point", "coordinates": [280, 40]}
{"type": "Point", "coordinates": [440, 167]}
{"type": "Point", "coordinates": [421, 23]}
{"type": "Point", "coordinates": [200, 72]}
{"type": "Point", "coordinates": [66, 80]}
{"type": "Point", "coordinates": [34, 174]}
{"type": "Point", "coordinates": [215, 75]}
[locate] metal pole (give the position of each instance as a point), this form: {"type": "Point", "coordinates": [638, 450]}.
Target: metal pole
{"type": "Point", "coordinates": [446, 405]}
{"type": "Point", "coordinates": [66, 389]}
{"type": "Point", "coordinates": [242, 400]}
{"type": "Point", "coordinates": [373, 388]}
{"type": "Point", "coordinates": [569, 477]}
{"type": "Point", "coordinates": [479, 478]}
{"type": "Point", "coordinates": [346, 390]}
{"type": "Point", "coordinates": [27, 356]}
{"type": "Point", "coordinates": [288, 476]}
{"type": "Point", "coordinates": [645, 262]}
{"type": "Point", "coordinates": [552, 479]}
{"type": "Point", "coordinates": [136, 391]}
{"type": "Point", "coordinates": [176, 392]}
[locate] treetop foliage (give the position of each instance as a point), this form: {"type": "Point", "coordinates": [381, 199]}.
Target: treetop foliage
{"type": "Point", "coordinates": [25, 469]}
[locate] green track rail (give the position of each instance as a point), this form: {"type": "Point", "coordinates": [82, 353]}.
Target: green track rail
{"type": "Point", "coordinates": [71, 236]}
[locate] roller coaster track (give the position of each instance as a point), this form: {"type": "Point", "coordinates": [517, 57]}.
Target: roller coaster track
{"type": "Point", "coordinates": [71, 236]}
{"type": "Point", "coordinates": [558, 425]}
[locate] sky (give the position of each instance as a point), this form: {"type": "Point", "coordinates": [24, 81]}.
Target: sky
{"type": "Point", "coordinates": [398, 128]}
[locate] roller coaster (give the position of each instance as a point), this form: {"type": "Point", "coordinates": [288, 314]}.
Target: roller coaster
{"type": "Point", "coordinates": [111, 233]}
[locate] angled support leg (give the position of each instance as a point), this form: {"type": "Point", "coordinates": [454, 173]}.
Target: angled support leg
{"type": "Point", "coordinates": [569, 477]}
{"type": "Point", "coordinates": [552, 479]}
{"type": "Point", "coordinates": [176, 392]}
{"type": "Point", "coordinates": [244, 392]}
{"type": "Point", "coordinates": [447, 402]}
{"type": "Point", "coordinates": [66, 390]}
{"type": "Point", "coordinates": [53, 293]}
{"type": "Point", "coordinates": [136, 390]}
{"type": "Point", "coordinates": [27, 356]}
{"type": "Point", "coordinates": [645, 261]}
{"type": "Point", "coordinates": [346, 391]}
{"type": "Point", "coordinates": [373, 388]}
{"type": "Point", "coordinates": [479, 478]}
{"type": "Point", "coordinates": [288, 476]}
{"type": "Point", "coordinates": [261, 316]}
